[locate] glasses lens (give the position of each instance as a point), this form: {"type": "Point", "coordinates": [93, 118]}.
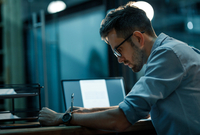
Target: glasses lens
{"type": "Point", "coordinates": [116, 53]}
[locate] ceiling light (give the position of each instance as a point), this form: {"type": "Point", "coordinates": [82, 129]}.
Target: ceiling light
{"type": "Point", "coordinates": [56, 6]}
{"type": "Point", "coordinates": [190, 25]}
{"type": "Point", "coordinates": [146, 7]}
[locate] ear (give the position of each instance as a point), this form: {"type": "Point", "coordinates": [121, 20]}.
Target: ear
{"type": "Point", "coordinates": [139, 38]}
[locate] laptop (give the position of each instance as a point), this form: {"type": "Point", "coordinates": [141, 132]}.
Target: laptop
{"type": "Point", "coordinates": [89, 93]}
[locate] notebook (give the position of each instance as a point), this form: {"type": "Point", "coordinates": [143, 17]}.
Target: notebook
{"type": "Point", "coordinates": [101, 92]}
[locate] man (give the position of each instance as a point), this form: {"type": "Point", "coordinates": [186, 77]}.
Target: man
{"type": "Point", "coordinates": [169, 90]}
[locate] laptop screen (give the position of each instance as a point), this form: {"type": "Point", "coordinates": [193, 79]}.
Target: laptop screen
{"type": "Point", "coordinates": [93, 92]}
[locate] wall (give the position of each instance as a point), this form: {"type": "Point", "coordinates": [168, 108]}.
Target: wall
{"type": "Point", "coordinates": [74, 50]}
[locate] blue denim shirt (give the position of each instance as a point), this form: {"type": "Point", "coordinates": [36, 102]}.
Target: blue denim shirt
{"type": "Point", "coordinates": [169, 90]}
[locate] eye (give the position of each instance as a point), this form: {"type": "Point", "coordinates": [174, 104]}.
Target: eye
{"type": "Point", "coordinates": [119, 49]}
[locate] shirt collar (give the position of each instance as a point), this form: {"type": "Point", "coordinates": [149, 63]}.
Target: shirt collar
{"type": "Point", "coordinates": [159, 41]}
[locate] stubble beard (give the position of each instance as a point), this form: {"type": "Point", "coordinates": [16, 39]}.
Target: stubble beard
{"type": "Point", "coordinates": [138, 57]}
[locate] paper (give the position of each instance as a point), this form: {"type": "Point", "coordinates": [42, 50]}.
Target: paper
{"type": "Point", "coordinates": [94, 93]}
{"type": "Point", "coordinates": [7, 91]}
{"type": "Point", "coordinates": [7, 116]}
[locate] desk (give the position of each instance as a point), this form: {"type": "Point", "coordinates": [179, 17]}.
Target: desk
{"type": "Point", "coordinates": [142, 127]}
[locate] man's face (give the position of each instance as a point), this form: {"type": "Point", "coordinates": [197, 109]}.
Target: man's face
{"type": "Point", "coordinates": [132, 55]}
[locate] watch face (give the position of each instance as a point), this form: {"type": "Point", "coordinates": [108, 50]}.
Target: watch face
{"type": "Point", "coordinates": [66, 117]}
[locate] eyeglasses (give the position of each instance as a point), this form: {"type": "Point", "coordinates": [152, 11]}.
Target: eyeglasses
{"type": "Point", "coordinates": [116, 52]}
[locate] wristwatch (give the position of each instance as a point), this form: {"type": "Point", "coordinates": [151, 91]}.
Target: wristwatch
{"type": "Point", "coordinates": [67, 118]}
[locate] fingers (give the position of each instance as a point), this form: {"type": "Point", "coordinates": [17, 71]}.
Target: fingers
{"type": "Point", "coordinates": [49, 117]}
{"type": "Point", "coordinates": [46, 110]}
{"type": "Point", "coordinates": [82, 110]}
{"type": "Point", "coordinates": [45, 114]}
{"type": "Point", "coordinates": [74, 108]}
{"type": "Point", "coordinates": [43, 110]}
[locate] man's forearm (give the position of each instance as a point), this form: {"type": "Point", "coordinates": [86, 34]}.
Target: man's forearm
{"type": "Point", "coordinates": [97, 109]}
{"type": "Point", "coordinates": [111, 119]}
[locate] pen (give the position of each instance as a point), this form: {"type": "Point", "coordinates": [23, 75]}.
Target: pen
{"type": "Point", "coordinates": [72, 101]}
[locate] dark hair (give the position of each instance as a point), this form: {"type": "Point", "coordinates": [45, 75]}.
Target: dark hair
{"type": "Point", "coordinates": [125, 20]}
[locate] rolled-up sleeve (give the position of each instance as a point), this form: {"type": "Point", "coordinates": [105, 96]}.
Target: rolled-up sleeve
{"type": "Point", "coordinates": [160, 80]}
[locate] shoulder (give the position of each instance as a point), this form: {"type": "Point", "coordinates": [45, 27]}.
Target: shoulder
{"type": "Point", "coordinates": [170, 49]}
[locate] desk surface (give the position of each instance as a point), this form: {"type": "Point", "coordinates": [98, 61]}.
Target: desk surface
{"type": "Point", "coordinates": [139, 127]}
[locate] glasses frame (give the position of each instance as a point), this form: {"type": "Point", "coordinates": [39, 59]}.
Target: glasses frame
{"type": "Point", "coordinates": [116, 52]}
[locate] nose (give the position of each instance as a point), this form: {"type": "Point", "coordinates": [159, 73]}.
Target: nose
{"type": "Point", "coordinates": [120, 59]}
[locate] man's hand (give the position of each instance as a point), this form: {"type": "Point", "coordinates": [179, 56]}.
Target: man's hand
{"type": "Point", "coordinates": [75, 109]}
{"type": "Point", "coordinates": [49, 117]}
{"type": "Point", "coordinates": [80, 110]}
